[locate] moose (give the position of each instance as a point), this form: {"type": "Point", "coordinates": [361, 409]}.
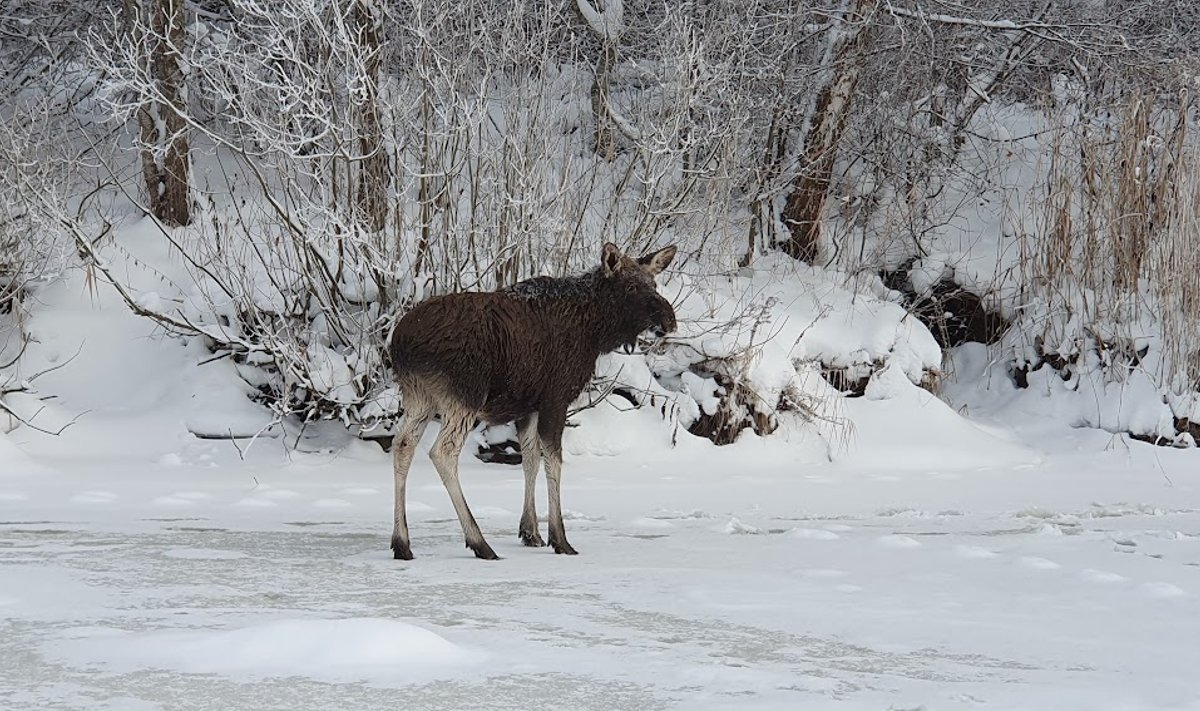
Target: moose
{"type": "Point", "coordinates": [520, 354]}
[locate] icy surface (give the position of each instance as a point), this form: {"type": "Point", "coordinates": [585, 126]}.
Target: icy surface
{"type": "Point", "coordinates": [732, 578]}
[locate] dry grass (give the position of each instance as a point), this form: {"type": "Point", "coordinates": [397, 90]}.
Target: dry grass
{"type": "Point", "coordinates": [1116, 249]}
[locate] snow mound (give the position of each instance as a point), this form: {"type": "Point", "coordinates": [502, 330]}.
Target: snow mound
{"type": "Point", "coordinates": [353, 649]}
{"type": "Point", "coordinates": [13, 461]}
{"type": "Point", "coordinates": [898, 425]}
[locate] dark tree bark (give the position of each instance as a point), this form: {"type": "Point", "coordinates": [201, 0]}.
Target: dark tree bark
{"type": "Point", "coordinates": [161, 126]}
{"type": "Point", "coordinates": [805, 205]}
{"type": "Point", "coordinates": [373, 170]}
{"type": "Point", "coordinates": [607, 29]}
{"type": "Point", "coordinates": [606, 132]}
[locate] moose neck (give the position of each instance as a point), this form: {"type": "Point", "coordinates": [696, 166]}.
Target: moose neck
{"type": "Point", "coordinates": [592, 314]}
{"type": "Point", "coordinates": [583, 305]}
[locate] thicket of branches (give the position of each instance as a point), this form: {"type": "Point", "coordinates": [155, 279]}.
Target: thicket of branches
{"type": "Point", "coordinates": [321, 164]}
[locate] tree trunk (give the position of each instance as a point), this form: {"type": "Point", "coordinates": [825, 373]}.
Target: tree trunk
{"type": "Point", "coordinates": [606, 136]}
{"type": "Point", "coordinates": [373, 167]}
{"type": "Point", "coordinates": [605, 18]}
{"type": "Point", "coordinates": [805, 205]}
{"type": "Point", "coordinates": [762, 221]}
{"type": "Point", "coordinates": [161, 125]}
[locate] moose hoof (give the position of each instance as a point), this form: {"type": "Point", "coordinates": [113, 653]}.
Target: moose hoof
{"type": "Point", "coordinates": [401, 551]}
{"type": "Point", "coordinates": [532, 540]}
{"type": "Point", "coordinates": [483, 551]}
{"type": "Point", "coordinates": [563, 548]}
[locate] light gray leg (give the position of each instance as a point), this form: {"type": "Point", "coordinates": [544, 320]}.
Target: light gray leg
{"type": "Point", "coordinates": [558, 532]}
{"type": "Point", "coordinates": [550, 429]}
{"type": "Point", "coordinates": [531, 458]}
{"type": "Point", "coordinates": [404, 446]}
{"type": "Point", "coordinates": [446, 448]}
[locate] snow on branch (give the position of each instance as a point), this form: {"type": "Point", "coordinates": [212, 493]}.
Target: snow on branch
{"type": "Point", "coordinates": [920, 14]}
{"type": "Point", "coordinates": [1038, 28]}
{"type": "Point", "coordinates": [605, 17]}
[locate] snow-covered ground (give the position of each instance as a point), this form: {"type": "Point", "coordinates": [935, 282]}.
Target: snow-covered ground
{"type": "Point", "coordinates": [925, 561]}
{"type": "Point", "coordinates": [741, 579]}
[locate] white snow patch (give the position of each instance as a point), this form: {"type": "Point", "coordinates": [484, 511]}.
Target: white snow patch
{"type": "Point", "coordinates": [646, 522]}
{"type": "Point", "coordinates": [1102, 576]}
{"type": "Point", "coordinates": [1038, 563]}
{"type": "Point", "coordinates": [343, 650]}
{"type": "Point", "coordinates": [737, 527]}
{"type": "Point", "coordinates": [973, 552]}
{"type": "Point", "coordinates": [899, 542]}
{"type": "Point", "coordinates": [360, 491]}
{"type": "Point", "coordinates": [493, 512]}
{"type": "Point", "coordinates": [332, 504]}
{"type": "Point", "coordinates": [814, 534]}
{"type": "Point", "coordinates": [255, 502]}
{"type": "Point", "coordinates": [94, 497]}
{"type": "Point", "coordinates": [1163, 590]}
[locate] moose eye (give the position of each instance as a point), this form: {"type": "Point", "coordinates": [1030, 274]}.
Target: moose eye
{"type": "Point", "coordinates": [631, 288]}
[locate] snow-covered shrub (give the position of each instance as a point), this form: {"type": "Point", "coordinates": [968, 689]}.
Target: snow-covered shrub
{"type": "Point", "coordinates": [756, 346]}
{"type": "Point", "coordinates": [488, 170]}
{"type": "Point", "coordinates": [36, 176]}
{"type": "Point", "coordinates": [1103, 288]}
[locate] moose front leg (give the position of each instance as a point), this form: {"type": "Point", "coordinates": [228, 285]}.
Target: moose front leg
{"type": "Point", "coordinates": [550, 429]}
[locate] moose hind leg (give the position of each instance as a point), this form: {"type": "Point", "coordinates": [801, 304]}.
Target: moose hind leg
{"type": "Point", "coordinates": [404, 446]}
{"type": "Point", "coordinates": [446, 448]}
{"type": "Point", "coordinates": [531, 458]}
{"type": "Point", "coordinates": [550, 430]}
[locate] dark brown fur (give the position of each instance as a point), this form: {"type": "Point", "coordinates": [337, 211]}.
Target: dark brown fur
{"type": "Point", "coordinates": [524, 354]}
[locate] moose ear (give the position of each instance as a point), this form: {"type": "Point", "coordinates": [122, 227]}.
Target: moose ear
{"type": "Point", "coordinates": [610, 259]}
{"type": "Point", "coordinates": [655, 262]}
